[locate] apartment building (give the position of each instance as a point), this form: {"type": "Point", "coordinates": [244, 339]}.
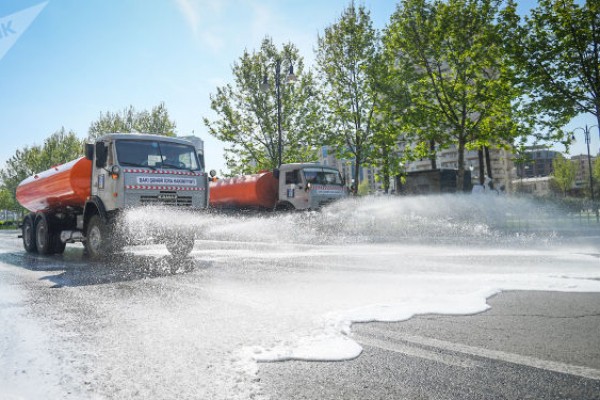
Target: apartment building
{"type": "Point", "coordinates": [327, 156]}
{"type": "Point", "coordinates": [536, 162]}
{"type": "Point", "coordinates": [582, 177]}
{"type": "Point", "coordinates": [501, 160]}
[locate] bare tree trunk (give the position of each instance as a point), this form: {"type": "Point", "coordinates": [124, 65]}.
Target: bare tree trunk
{"type": "Point", "coordinates": [356, 173]}
{"type": "Point", "coordinates": [386, 169]}
{"type": "Point", "coordinates": [481, 166]}
{"type": "Point", "coordinates": [488, 161]}
{"type": "Point", "coordinates": [460, 178]}
{"type": "Point", "coordinates": [433, 156]}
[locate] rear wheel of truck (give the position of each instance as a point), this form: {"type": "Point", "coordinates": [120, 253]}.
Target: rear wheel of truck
{"type": "Point", "coordinates": [58, 246]}
{"type": "Point", "coordinates": [284, 207]}
{"type": "Point", "coordinates": [97, 237]}
{"type": "Point", "coordinates": [180, 245]}
{"type": "Point", "coordinates": [28, 233]}
{"type": "Point", "coordinates": [43, 237]}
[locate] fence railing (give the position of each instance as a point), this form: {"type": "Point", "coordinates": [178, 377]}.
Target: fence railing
{"type": "Point", "coordinates": [561, 214]}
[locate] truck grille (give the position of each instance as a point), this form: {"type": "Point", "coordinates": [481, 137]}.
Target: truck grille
{"type": "Point", "coordinates": [169, 199]}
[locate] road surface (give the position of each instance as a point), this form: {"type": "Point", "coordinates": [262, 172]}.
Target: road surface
{"type": "Point", "coordinates": [478, 314]}
{"type": "Point", "coordinates": [529, 345]}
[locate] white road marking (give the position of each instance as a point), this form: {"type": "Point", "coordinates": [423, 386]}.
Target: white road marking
{"type": "Point", "coordinates": [554, 366]}
{"type": "Point", "coordinates": [416, 352]}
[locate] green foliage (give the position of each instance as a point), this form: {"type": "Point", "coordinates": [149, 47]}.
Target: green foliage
{"type": "Point", "coordinates": [8, 225]}
{"type": "Point", "coordinates": [564, 174]}
{"type": "Point", "coordinates": [363, 188]}
{"type": "Point", "coordinates": [596, 169]}
{"type": "Point", "coordinates": [596, 177]}
{"type": "Point", "coordinates": [348, 60]}
{"type": "Point", "coordinates": [247, 116]}
{"type": "Point", "coordinates": [450, 56]}
{"type": "Point", "coordinates": [58, 148]}
{"type": "Point", "coordinates": [7, 199]}
{"type": "Point", "coordinates": [391, 102]}
{"type": "Point", "coordinates": [556, 54]}
{"type": "Point", "coordinates": [129, 120]}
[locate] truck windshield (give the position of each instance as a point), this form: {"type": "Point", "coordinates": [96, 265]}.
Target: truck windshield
{"type": "Point", "coordinates": [322, 176]}
{"type": "Point", "coordinates": [157, 154]}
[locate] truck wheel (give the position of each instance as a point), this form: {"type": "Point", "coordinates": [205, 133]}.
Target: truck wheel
{"type": "Point", "coordinates": [97, 238]}
{"type": "Point", "coordinates": [58, 246]}
{"type": "Point", "coordinates": [43, 237]}
{"type": "Point", "coordinates": [28, 232]}
{"type": "Point", "coordinates": [180, 245]}
{"type": "Point", "coordinates": [284, 207]}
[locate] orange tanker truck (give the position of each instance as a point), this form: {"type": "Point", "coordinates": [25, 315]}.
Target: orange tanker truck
{"type": "Point", "coordinates": [82, 200]}
{"type": "Point", "coordinates": [307, 186]}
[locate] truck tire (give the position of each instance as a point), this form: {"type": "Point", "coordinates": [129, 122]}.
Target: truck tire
{"type": "Point", "coordinates": [43, 235]}
{"type": "Point", "coordinates": [28, 233]}
{"type": "Point", "coordinates": [180, 245]}
{"type": "Point", "coordinates": [284, 207]}
{"type": "Point", "coordinates": [97, 238]}
{"type": "Point", "coordinates": [58, 246]}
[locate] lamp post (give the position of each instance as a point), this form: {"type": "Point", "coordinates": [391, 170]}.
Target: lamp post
{"type": "Point", "coordinates": [587, 132]}
{"type": "Point", "coordinates": [264, 87]}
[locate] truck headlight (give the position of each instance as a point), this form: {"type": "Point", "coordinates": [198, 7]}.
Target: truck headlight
{"type": "Point", "coordinates": [115, 171]}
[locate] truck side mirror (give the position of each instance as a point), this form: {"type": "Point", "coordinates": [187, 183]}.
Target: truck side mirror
{"type": "Point", "coordinates": [101, 155]}
{"type": "Point", "coordinates": [89, 151]}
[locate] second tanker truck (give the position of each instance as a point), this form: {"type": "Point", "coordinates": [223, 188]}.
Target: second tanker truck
{"type": "Point", "coordinates": [302, 186]}
{"type": "Point", "coordinates": [82, 200]}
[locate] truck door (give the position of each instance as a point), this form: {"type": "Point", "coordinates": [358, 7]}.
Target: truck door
{"type": "Point", "coordinates": [103, 185]}
{"type": "Point", "coordinates": [293, 191]}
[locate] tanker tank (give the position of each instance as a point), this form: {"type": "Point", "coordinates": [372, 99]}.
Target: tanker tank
{"type": "Point", "coordinates": [66, 185]}
{"type": "Point", "coordinates": [257, 191]}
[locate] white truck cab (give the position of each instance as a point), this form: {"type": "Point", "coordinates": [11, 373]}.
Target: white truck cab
{"type": "Point", "coordinates": [308, 186]}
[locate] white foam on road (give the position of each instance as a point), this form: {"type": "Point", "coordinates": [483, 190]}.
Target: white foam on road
{"type": "Point", "coordinates": [27, 369]}
{"type": "Point", "coordinates": [376, 295]}
{"type": "Point", "coordinates": [286, 287]}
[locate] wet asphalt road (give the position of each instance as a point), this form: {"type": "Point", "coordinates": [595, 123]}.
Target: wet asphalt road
{"type": "Point", "coordinates": [529, 345]}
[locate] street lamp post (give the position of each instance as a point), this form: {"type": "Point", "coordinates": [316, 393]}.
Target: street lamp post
{"type": "Point", "coordinates": [264, 87]}
{"type": "Point", "coordinates": [587, 132]}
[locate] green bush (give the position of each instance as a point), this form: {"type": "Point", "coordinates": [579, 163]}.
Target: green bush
{"type": "Point", "coordinates": [8, 225]}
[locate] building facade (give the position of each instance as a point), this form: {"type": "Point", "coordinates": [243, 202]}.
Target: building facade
{"type": "Point", "coordinates": [536, 162]}
{"type": "Point", "coordinates": [327, 156]}
{"type": "Point", "coordinates": [582, 164]}
{"type": "Point", "coordinates": [502, 165]}
{"type": "Point", "coordinates": [501, 160]}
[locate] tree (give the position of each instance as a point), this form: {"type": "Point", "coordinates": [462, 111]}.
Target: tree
{"type": "Point", "coordinates": [129, 120]}
{"type": "Point", "coordinates": [58, 148]}
{"type": "Point", "coordinates": [347, 56]}
{"type": "Point", "coordinates": [564, 174]}
{"type": "Point", "coordinates": [596, 171]}
{"type": "Point", "coordinates": [451, 57]}
{"type": "Point", "coordinates": [557, 54]}
{"type": "Point", "coordinates": [389, 151]}
{"type": "Point", "coordinates": [247, 111]}
{"type": "Point", "coordinates": [7, 200]}
{"type": "Point", "coordinates": [363, 188]}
